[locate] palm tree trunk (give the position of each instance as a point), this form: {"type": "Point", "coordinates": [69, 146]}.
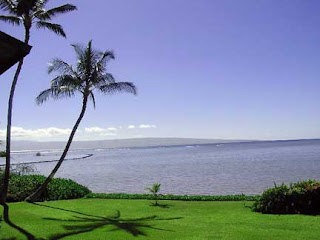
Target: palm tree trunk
{"type": "Point", "coordinates": [33, 197]}
{"type": "Point", "coordinates": [156, 199]}
{"type": "Point", "coordinates": [9, 121]}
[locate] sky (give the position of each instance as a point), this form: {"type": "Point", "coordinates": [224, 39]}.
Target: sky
{"type": "Point", "coordinates": [216, 69]}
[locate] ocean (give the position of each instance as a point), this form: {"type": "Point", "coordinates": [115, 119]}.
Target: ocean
{"type": "Point", "coordinates": [197, 169]}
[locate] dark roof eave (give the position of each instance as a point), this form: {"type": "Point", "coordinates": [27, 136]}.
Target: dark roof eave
{"type": "Point", "coordinates": [12, 50]}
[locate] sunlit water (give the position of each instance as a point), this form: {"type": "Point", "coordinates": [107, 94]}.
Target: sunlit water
{"type": "Point", "coordinates": [231, 168]}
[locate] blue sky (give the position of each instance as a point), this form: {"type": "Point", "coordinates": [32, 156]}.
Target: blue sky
{"type": "Point", "coordinates": [204, 69]}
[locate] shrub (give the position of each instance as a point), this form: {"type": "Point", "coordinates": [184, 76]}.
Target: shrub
{"type": "Point", "coordinates": [59, 189]}
{"type": "Point", "coordinates": [21, 187]}
{"type": "Point", "coordinates": [173, 197]}
{"type": "Point", "coordinates": [301, 197]}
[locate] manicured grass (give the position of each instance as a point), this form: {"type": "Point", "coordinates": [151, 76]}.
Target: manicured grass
{"type": "Point", "coordinates": [129, 219]}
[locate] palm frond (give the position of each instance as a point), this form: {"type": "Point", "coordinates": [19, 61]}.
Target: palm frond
{"type": "Point", "coordinates": [88, 58]}
{"type": "Point", "coordinates": [62, 9]}
{"type": "Point", "coordinates": [91, 61]}
{"type": "Point", "coordinates": [60, 66]}
{"type": "Point", "coordinates": [40, 4]}
{"type": "Point", "coordinates": [43, 2]}
{"type": "Point", "coordinates": [43, 96]}
{"type": "Point", "coordinates": [56, 28]}
{"type": "Point", "coordinates": [39, 13]}
{"type": "Point", "coordinates": [66, 81]}
{"type": "Point", "coordinates": [99, 78]}
{"type": "Point", "coordinates": [63, 92]}
{"type": "Point", "coordinates": [11, 19]}
{"type": "Point", "coordinates": [91, 96]}
{"type": "Point", "coordinates": [150, 190]}
{"type": "Point", "coordinates": [85, 59]}
{"type": "Point", "coordinates": [105, 57]}
{"type": "Point", "coordinates": [47, 15]}
{"type": "Point", "coordinates": [79, 49]}
{"type": "Point", "coordinates": [8, 5]}
{"type": "Point", "coordinates": [154, 189]}
{"type": "Point", "coordinates": [55, 93]}
{"type": "Point", "coordinates": [118, 87]}
{"type": "Point", "coordinates": [108, 78]}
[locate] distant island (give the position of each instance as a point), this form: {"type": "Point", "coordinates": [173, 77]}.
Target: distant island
{"type": "Point", "coordinates": [116, 143]}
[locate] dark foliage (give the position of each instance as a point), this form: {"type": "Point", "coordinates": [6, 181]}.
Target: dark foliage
{"type": "Point", "coordinates": [3, 154]}
{"type": "Point", "coordinates": [22, 186]}
{"type": "Point", "coordinates": [297, 198]}
{"type": "Point", "coordinates": [172, 197]}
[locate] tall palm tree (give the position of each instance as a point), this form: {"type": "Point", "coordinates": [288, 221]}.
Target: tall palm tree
{"type": "Point", "coordinates": [90, 75]}
{"type": "Point", "coordinates": [28, 13]}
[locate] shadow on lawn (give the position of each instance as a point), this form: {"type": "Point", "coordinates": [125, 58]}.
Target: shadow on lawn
{"type": "Point", "coordinates": [8, 221]}
{"type": "Point", "coordinates": [160, 205]}
{"type": "Point", "coordinates": [88, 223]}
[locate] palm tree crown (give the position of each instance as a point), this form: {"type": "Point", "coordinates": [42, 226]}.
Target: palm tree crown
{"type": "Point", "coordinates": [90, 74]}
{"type": "Point", "coordinates": [29, 12]}
{"type": "Point", "coordinates": [154, 189]}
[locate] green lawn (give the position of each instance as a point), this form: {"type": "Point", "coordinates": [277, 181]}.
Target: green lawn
{"type": "Point", "coordinates": [129, 219]}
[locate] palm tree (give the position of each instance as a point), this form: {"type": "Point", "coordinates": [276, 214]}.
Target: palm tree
{"type": "Point", "coordinates": [89, 75]}
{"type": "Point", "coordinates": [154, 190]}
{"type": "Point", "coordinates": [28, 13]}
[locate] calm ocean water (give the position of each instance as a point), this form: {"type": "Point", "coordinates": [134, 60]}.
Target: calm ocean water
{"type": "Point", "coordinates": [211, 169]}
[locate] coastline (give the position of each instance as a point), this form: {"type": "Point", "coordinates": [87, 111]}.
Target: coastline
{"type": "Point", "coordinates": [22, 147]}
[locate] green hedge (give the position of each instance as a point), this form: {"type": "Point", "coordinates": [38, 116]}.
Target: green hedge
{"type": "Point", "coordinates": [173, 197]}
{"type": "Point", "coordinates": [301, 197]}
{"type": "Point", "coordinates": [21, 187]}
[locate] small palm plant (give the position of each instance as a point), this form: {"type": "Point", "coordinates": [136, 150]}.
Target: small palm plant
{"type": "Point", "coordinates": [154, 190]}
{"type": "Point", "coordinates": [90, 75]}
{"type": "Point", "coordinates": [27, 13]}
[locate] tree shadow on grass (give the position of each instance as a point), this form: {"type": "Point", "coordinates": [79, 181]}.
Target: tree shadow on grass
{"type": "Point", "coordinates": [160, 205]}
{"type": "Point", "coordinates": [88, 222]}
{"type": "Point", "coordinates": [8, 221]}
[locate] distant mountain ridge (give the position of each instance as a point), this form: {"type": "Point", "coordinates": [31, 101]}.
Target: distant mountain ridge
{"type": "Point", "coordinates": [116, 143]}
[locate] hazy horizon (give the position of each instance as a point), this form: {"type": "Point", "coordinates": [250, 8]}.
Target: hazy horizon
{"type": "Point", "coordinates": [139, 138]}
{"type": "Point", "coordinates": [28, 145]}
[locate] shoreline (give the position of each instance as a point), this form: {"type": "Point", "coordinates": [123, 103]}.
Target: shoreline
{"type": "Point", "coordinates": [150, 146]}
{"type": "Point", "coordinates": [47, 161]}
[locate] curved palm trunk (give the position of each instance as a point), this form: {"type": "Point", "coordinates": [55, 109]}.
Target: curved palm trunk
{"type": "Point", "coordinates": [33, 197]}
{"type": "Point", "coordinates": [9, 121]}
